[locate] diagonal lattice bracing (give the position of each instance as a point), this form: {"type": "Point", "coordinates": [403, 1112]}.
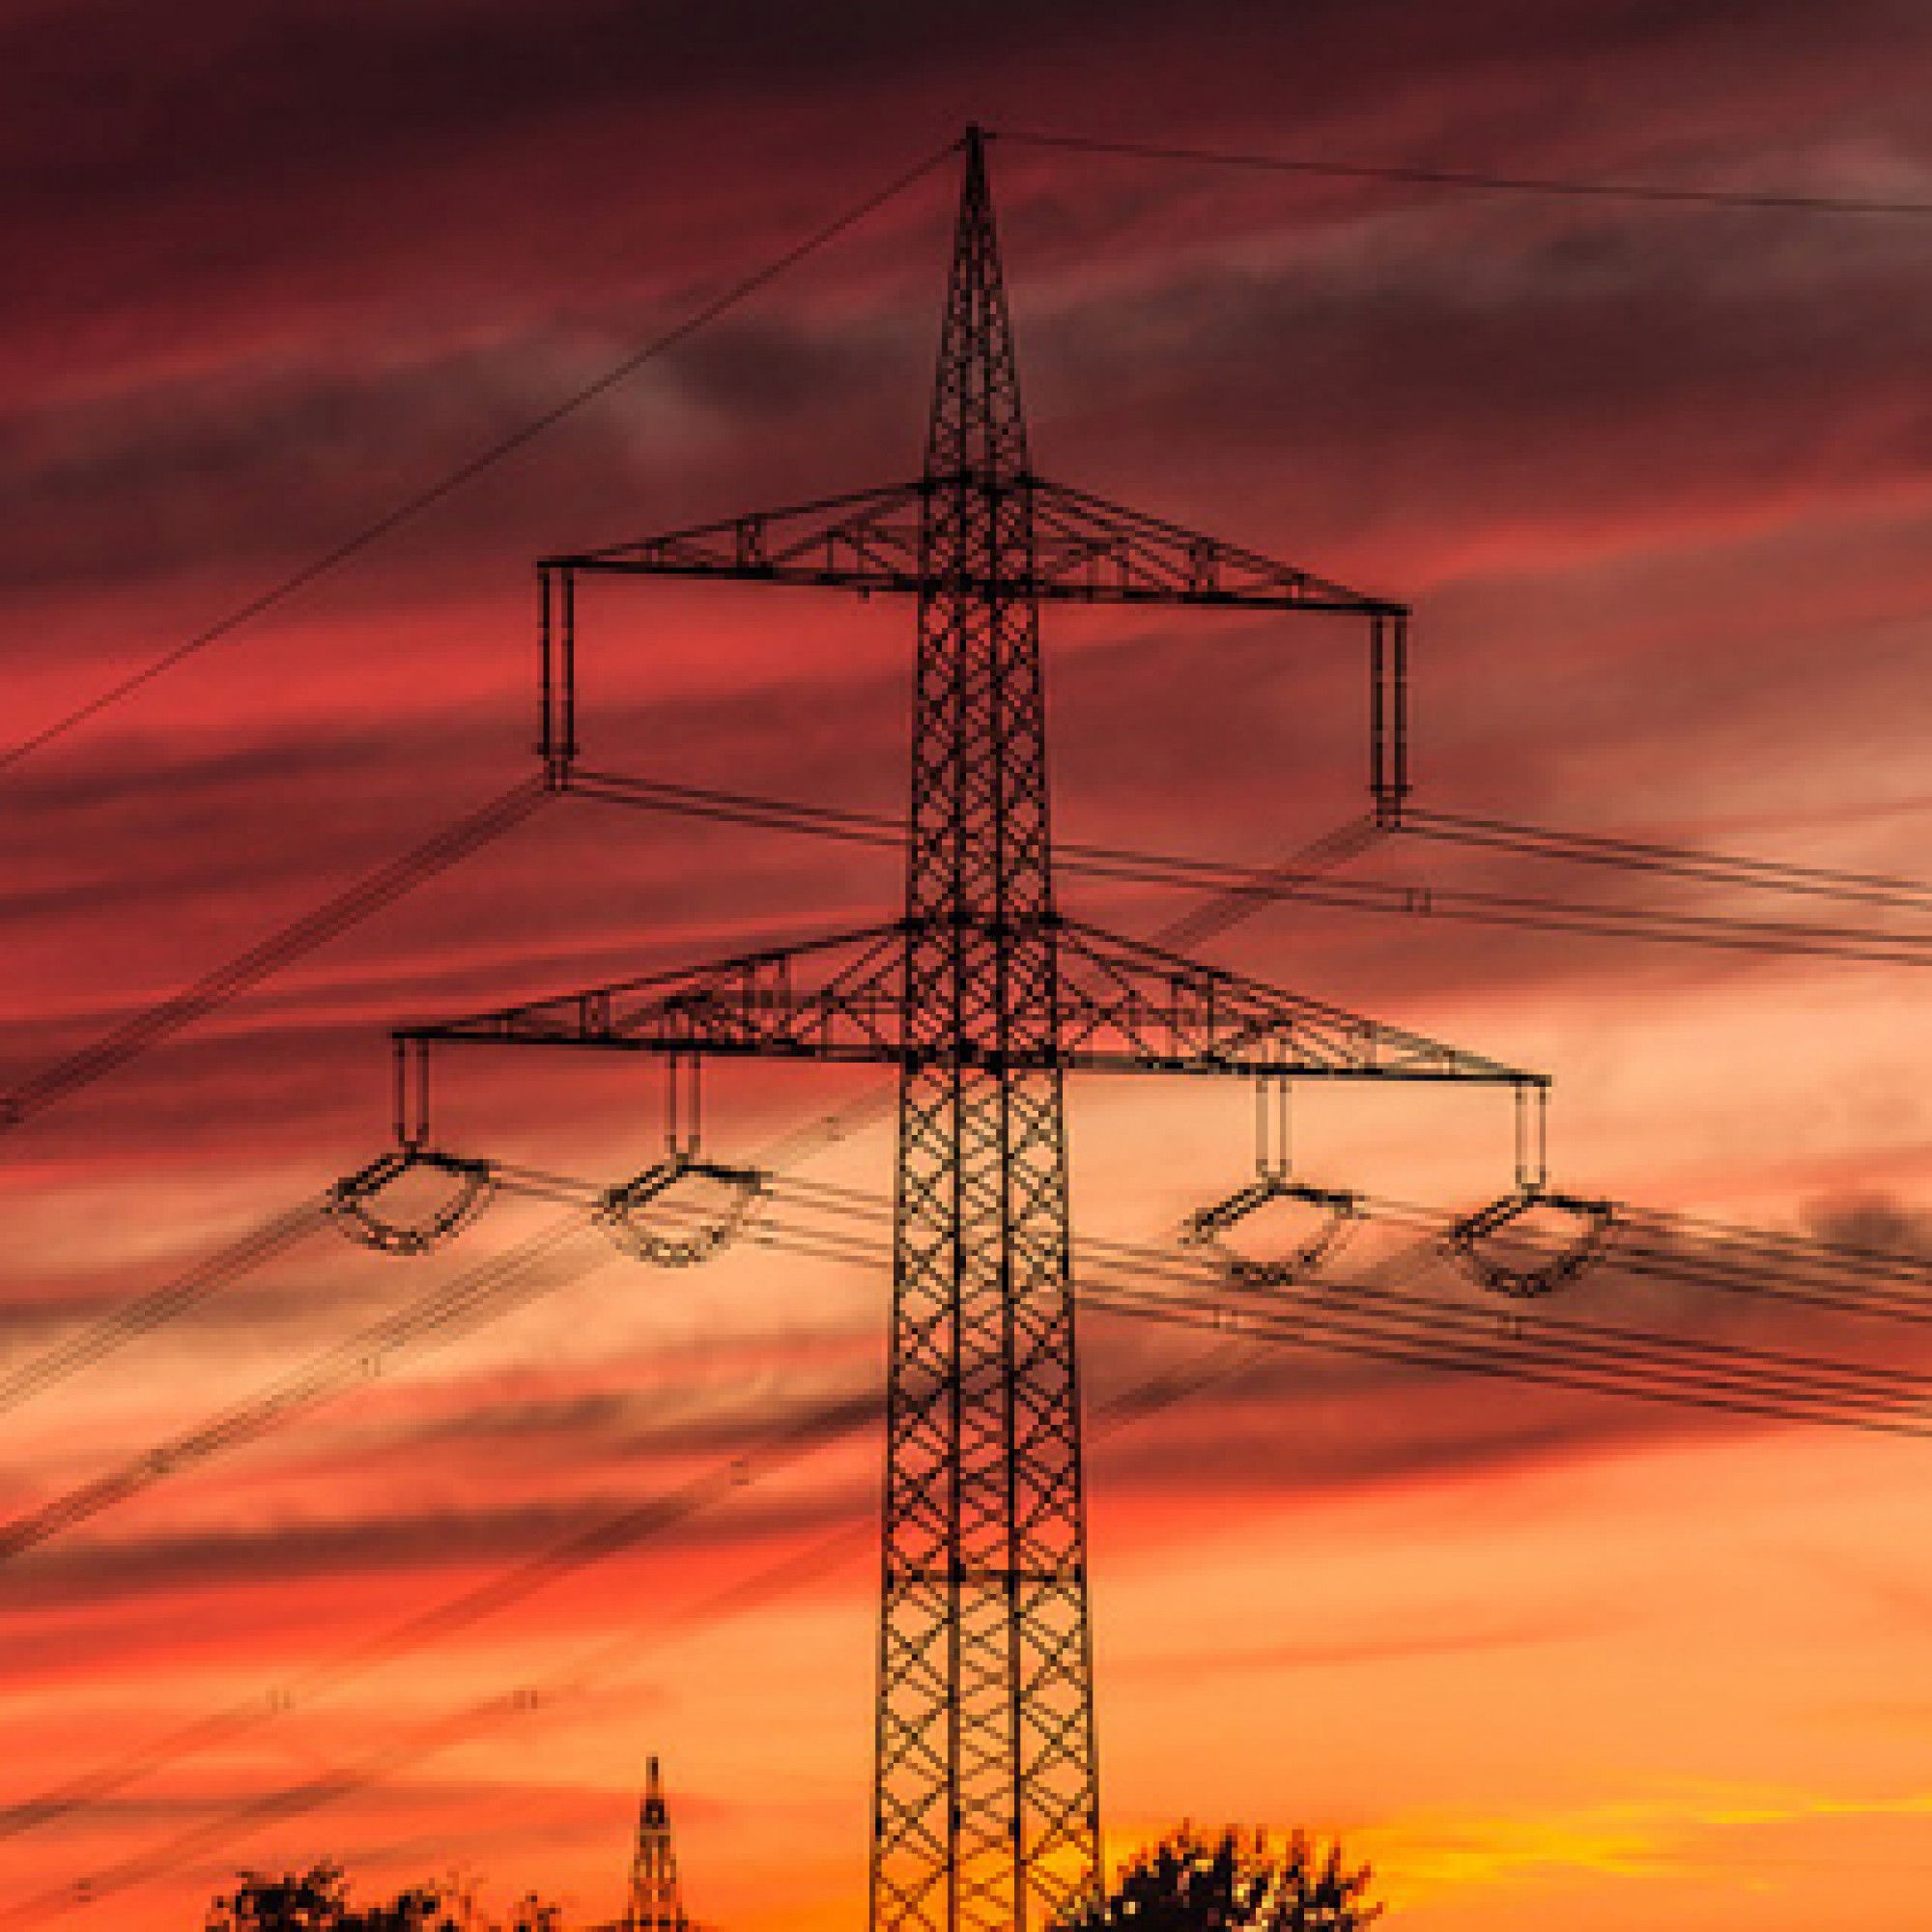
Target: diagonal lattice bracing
{"type": "Point", "coordinates": [656, 1902]}
{"type": "Point", "coordinates": [985, 1805]}
{"type": "Point", "coordinates": [1084, 549]}
{"type": "Point", "coordinates": [979, 1596]}
{"type": "Point", "coordinates": [1118, 1004]}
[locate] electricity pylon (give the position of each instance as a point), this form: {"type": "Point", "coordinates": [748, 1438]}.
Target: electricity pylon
{"type": "Point", "coordinates": [656, 1904]}
{"type": "Point", "coordinates": [983, 996]}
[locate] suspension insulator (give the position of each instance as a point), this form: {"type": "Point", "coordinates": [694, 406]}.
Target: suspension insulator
{"type": "Point", "coordinates": [1469, 1241]}
{"type": "Point", "coordinates": [627, 1212]}
{"type": "Point", "coordinates": [354, 1201]}
{"type": "Point", "coordinates": [1207, 1227]}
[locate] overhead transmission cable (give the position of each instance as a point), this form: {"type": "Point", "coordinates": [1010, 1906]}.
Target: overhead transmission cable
{"type": "Point", "coordinates": [1778, 938]}
{"type": "Point", "coordinates": [1314, 1321]}
{"type": "Point", "coordinates": [1243, 893]}
{"type": "Point", "coordinates": [1238, 892]}
{"type": "Point", "coordinates": [440, 1733]}
{"type": "Point", "coordinates": [157, 1023]}
{"type": "Point", "coordinates": [1421, 1332]}
{"type": "Point", "coordinates": [1428, 1331]}
{"type": "Point", "coordinates": [1783, 1270]}
{"type": "Point", "coordinates": [1560, 1351]}
{"type": "Point", "coordinates": [480, 1294]}
{"type": "Point", "coordinates": [630, 1529]}
{"type": "Point", "coordinates": [1353, 1317]}
{"type": "Point", "coordinates": [1366, 1317]}
{"type": "Point", "coordinates": [1292, 877]}
{"type": "Point", "coordinates": [91, 1341]}
{"type": "Point", "coordinates": [493, 1287]}
{"type": "Point", "coordinates": [1775, 1385]}
{"type": "Point", "coordinates": [1412, 174]}
{"type": "Point", "coordinates": [454, 842]}
{"type": "Point", "coordinates": [452, 481]}
{"type": "Point", "coordinates": [1788, 1271]}
{"type": "Point", "coordinates": [1665, 1253]}
{"type": "Point", "coordinates": [612, 1534]}
{"type": "Point", "coordinates": [1683, 862]}
{"type": "Point", "coordinates": [368, 896]}
{"type": "Point", "coordinates": [1307, 880]}
{"type": "Point", "coordinates": [1405, 174]}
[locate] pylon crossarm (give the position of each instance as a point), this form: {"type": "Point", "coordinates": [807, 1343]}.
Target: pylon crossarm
{"type": "Point", "coordinates": [1087, 550]}
{"type": "Point", "coordinates": [1092, 550]}
{"type": "Point", "coordinates": [829, 999]}
{"type": "Point", "coordinates": [1123, 1007]}
{"type": "Point", "coordinates": [864, 539]}
{"type": "Point", "coordinates": [1131, 1007]}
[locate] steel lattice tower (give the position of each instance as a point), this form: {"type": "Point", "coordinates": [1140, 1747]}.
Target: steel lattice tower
{"type": "Point", "coordinates": [656, 1904]}
{"type": "Point", "coordinates": [985, 1785]}
{"type": "Point", "coordinates": [981, 997]}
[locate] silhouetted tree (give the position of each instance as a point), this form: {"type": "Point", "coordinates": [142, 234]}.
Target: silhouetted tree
{"type": "Point", "coordinates": [1235, 1883]}
{"type": "Point", "coordinates": [535, 1915]}
{"type": "Point", "coordinates": [317, 1900]}
{"type": "Point", "coordinates": [423, 1909]}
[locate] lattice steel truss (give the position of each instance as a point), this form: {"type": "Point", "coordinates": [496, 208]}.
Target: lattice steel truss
{"type": "Point", "coordinates": [987, 1811]}
{"type": "Point", "coordinates": [985, 1783]}
{"type": "Point", "coordinates": [655, 1903]}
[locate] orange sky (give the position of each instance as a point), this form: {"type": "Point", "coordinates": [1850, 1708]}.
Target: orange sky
{"type": "Point", "coordinates": [1656, 483]}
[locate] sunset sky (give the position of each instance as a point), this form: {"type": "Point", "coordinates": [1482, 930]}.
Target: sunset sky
{"type": "Point", "coordinates": [1658, 481]}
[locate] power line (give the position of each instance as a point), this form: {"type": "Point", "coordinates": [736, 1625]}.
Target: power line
{"type": "Point", "coordinates": [448, 485]}
{"type": "Point", "coordinates": [615, 1533]}
{"type": "Point", "coordinates": [1651, 1245]}
{"type": "Point", "coordinates": [1402, 1344]}
{"type": "Point", "coordinates": [1366, 1318]}
{"type": "Point", "coordinates": [1303, 875]}
{"type": "Point", "coordinates": [495, 1286]}
{"type": "Point", "coordinates": [630, 1529]}
{"type": "Point", "coordinates": [148, 1028]}
{"type": "Point", "coordinates": [145, 1029]}
{"type": "Point", "coordinates": [1521, 911]}
{"type": "Point", "coordinates": [607, 1537]}
{"type": "Point", "coordinates": [1241, 892]}
{"type": "Point", "coordinates": [1561, 188]}
{"type": "Point", "coordinates": [91, 1342]}
{"type": "Point", "coordinates": [1684, 862]}
{"type": "Point", "coordinates": [1386, 1326]}
{"type": "Point", "coordinates": [457, 842]}
{"type": "Point", "coordinates": [479, 1295]}
{"type": "Point", "coordinates": [1288, 878]}
{"type": "Point", "coordinates": [1383, 1329]}
{"type": "Point", "coordinates": [439, 1734]}
{"type": "Point", "coordinates": [1762, 1383]}
{"type": "Point", "coordinates": [1789, 1272]}
{"type": "Point", "coordinates": [1250, 888]}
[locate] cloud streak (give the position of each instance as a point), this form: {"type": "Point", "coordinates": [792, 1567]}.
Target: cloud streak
{"type": "Point", "coordinates": [1656, 484]}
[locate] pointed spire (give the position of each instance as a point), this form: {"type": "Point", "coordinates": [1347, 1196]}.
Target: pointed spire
{"type": "Point", "coordinates": [976, 429]}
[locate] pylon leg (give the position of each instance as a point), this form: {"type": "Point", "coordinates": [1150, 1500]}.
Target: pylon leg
{"type": "Point", "coordinates": [987, 1803]}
